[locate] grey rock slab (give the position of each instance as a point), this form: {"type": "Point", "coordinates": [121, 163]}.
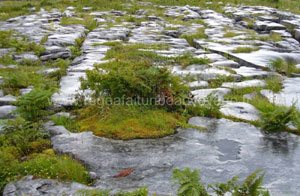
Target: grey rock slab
{"type": "Point", "coordinates": [240, 110]}
{"type": "Point", "coordinates": [48, 71]}
{"type": "Point", "coordinates": [38, 187]}
{"type": "Point", "coordinates": [55, 52]}
{"type": "Point", "coordinates": [226, 63]}
{"type": "Point", "coordinates": [282, 33]}
{"type": "Point", "coordinates": [250, 96]}
{"type": "Point", "coordinates": [213, 57]}
{"type": "Point", "coordinates": [1, 93]}
{"type": "Point", "coordinates": [289, 95]}
{"type": "Point", "coordinates": [26, 56]}
{"type": "Point", "coordinates": [7, 100]}
{"type": "Point", "coordinates": [297, 34]}
{"type": "Point", "coordinates": [6, 111]}
{"type": "Point", "coordinates": [291, 23]}
{"type": "Point", "coordinates": [8, 66]}
{"type": "Point", "coordinates": [63, 114]}
{"type": "Point", "coordinates": [201, 94]}
{"type": "Point", "coordinates": [244, 84]}
{"type": "Point", "coordinates": [198, 84]}
{"type": "Point", "coordinates": [267, 26]}
{"type": "Point", "coordinates": [225, 150]}
{"type": "Point", "coordinates": [27, 90]}
{"type": "Point", "coordinates": [69, 87]}
{"type": "Point", "coordinates": [251, 72]}
{"type": "Point", "coordinates": [262, 58]}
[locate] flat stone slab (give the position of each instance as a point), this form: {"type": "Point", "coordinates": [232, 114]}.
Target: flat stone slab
{"type": "Point", "coordinates": [201, 94]}
{"type": "Point", "coordinates": [6, 111]}
{"type": "Point", "coordinates": [225, 150]}
{"type": "Point", "coordinates": [69, 87]}
{"type": "Point", "coordinates": [240, 110]}
{"type": "Point", "coordinates": [263, 58]}
{"type": "Point", "coordinates": [38, 187]}
{"type": "Point", "coordinates": [7, 100]}
{"type": "Point", "coordinates": [289, 95]}
{"type": "Point", "coordinates": [251, 72]}
{"type": "Point", "coordinates": [244, 84]}
{"type": "Point", "coordinates": [198, 84]}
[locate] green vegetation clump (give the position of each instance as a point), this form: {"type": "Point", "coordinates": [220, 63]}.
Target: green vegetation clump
{"type": "Point", "coordinates": [44, 165]}
{"type": "Point", "coordinates": [284, 67]}
{"type": "Point", "coordinates": [33, 106]}
{"type": "Point", "coordinates": [230, 34]}
{"type": "Point", "coordinates": [156, 97]}
{"type": "Point", "coordinates": [191, 37]}
{"type": "Point", "coordinates": [188, 59]}
{"type": "Point", "coordinates": [24, 150]}
{"type": "Point", "coordinates": [10, 39]}
{"type": "Point", "coordinates": [133, 75]}
{"type": "Point", "coordinates": [209, 107]}
{"type": "Point", "coordinates": [88, 22]}
{"type": "Point", "coordinates": [69, 123]}
{"type": "Point", "coordinates": [278, 118]}
{"type": "Point", "coordinates": [244, 50]}
{"type": "Point", "coordinates": [75, 50]}
{"type": "Point", "coordinates": [189, 184]}
{"type": "Point", "coordinates": [273, 37]}
{"type": "Point", "coordinates": [129, 121]}
{"type": "Point", "coordinates": [15, 79]}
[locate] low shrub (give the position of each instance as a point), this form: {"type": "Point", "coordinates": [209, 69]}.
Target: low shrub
{"type": "Point", "coordinates": [189, 182]}
{"type": "Point", "coordinates": [10, 39]}
{"type": "Point", "coordinates": [252, 186]}
{"type": "Point", "coordinates": [188, 59]}
{"type": "Point", "coordinates": [133, 75]}
{"type": "Point", "coordinates": [55, 167]}
{"type": "Point", "coordinates": [24, 137]}
{"type": "Point", "coordinates": [46, 165]}
{"type": "Point", "coordinates": [69, 123]}
{"type": "Point", "coordinates": [190, 37]}
{"type": "Point", "coordinates": [277, 120]}
{"type": "Point", "coordinates": [209, 107]}
{"type": "Point", "coordinates": [33, 106]}
{"type": "Point", "coordinates": [284, 67]}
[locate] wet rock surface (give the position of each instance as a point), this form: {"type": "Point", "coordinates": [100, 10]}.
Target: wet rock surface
{"type": "Point", "coordinates": [37, 187]}
{"type": "Point", "coordinates": [224, 150]}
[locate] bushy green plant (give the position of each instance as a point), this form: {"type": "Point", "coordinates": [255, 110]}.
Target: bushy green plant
{"type": "Point", "coordinates": [188, 59]}
{"type": "Point", "coordinates": [33, 105]}
{"type": "Point", "coordinates": [55, 167]}
{"type": "Point", "coordinates": [209, 107]}
{"type": "Point", "coordinates": [190, 37]}
{"type": "Point", "coordinates": [8, 39]}
{"type": "Point", "coordinates": [189, 183]}
{"type": "Point", "coordinates": [252, 186]}
{"type": "Point", "coordinates": [285, 67]}
{"type": "Point", "coordinates": [69, 123]}
{"type": "Point", "coordinates": [46, 165]}
{"type": "Point", "coordinates": [133, 75]}
{"type": "Point", "coordinates": [24, 136]}
{"type": "Point", "coordinates": [277, 119]}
